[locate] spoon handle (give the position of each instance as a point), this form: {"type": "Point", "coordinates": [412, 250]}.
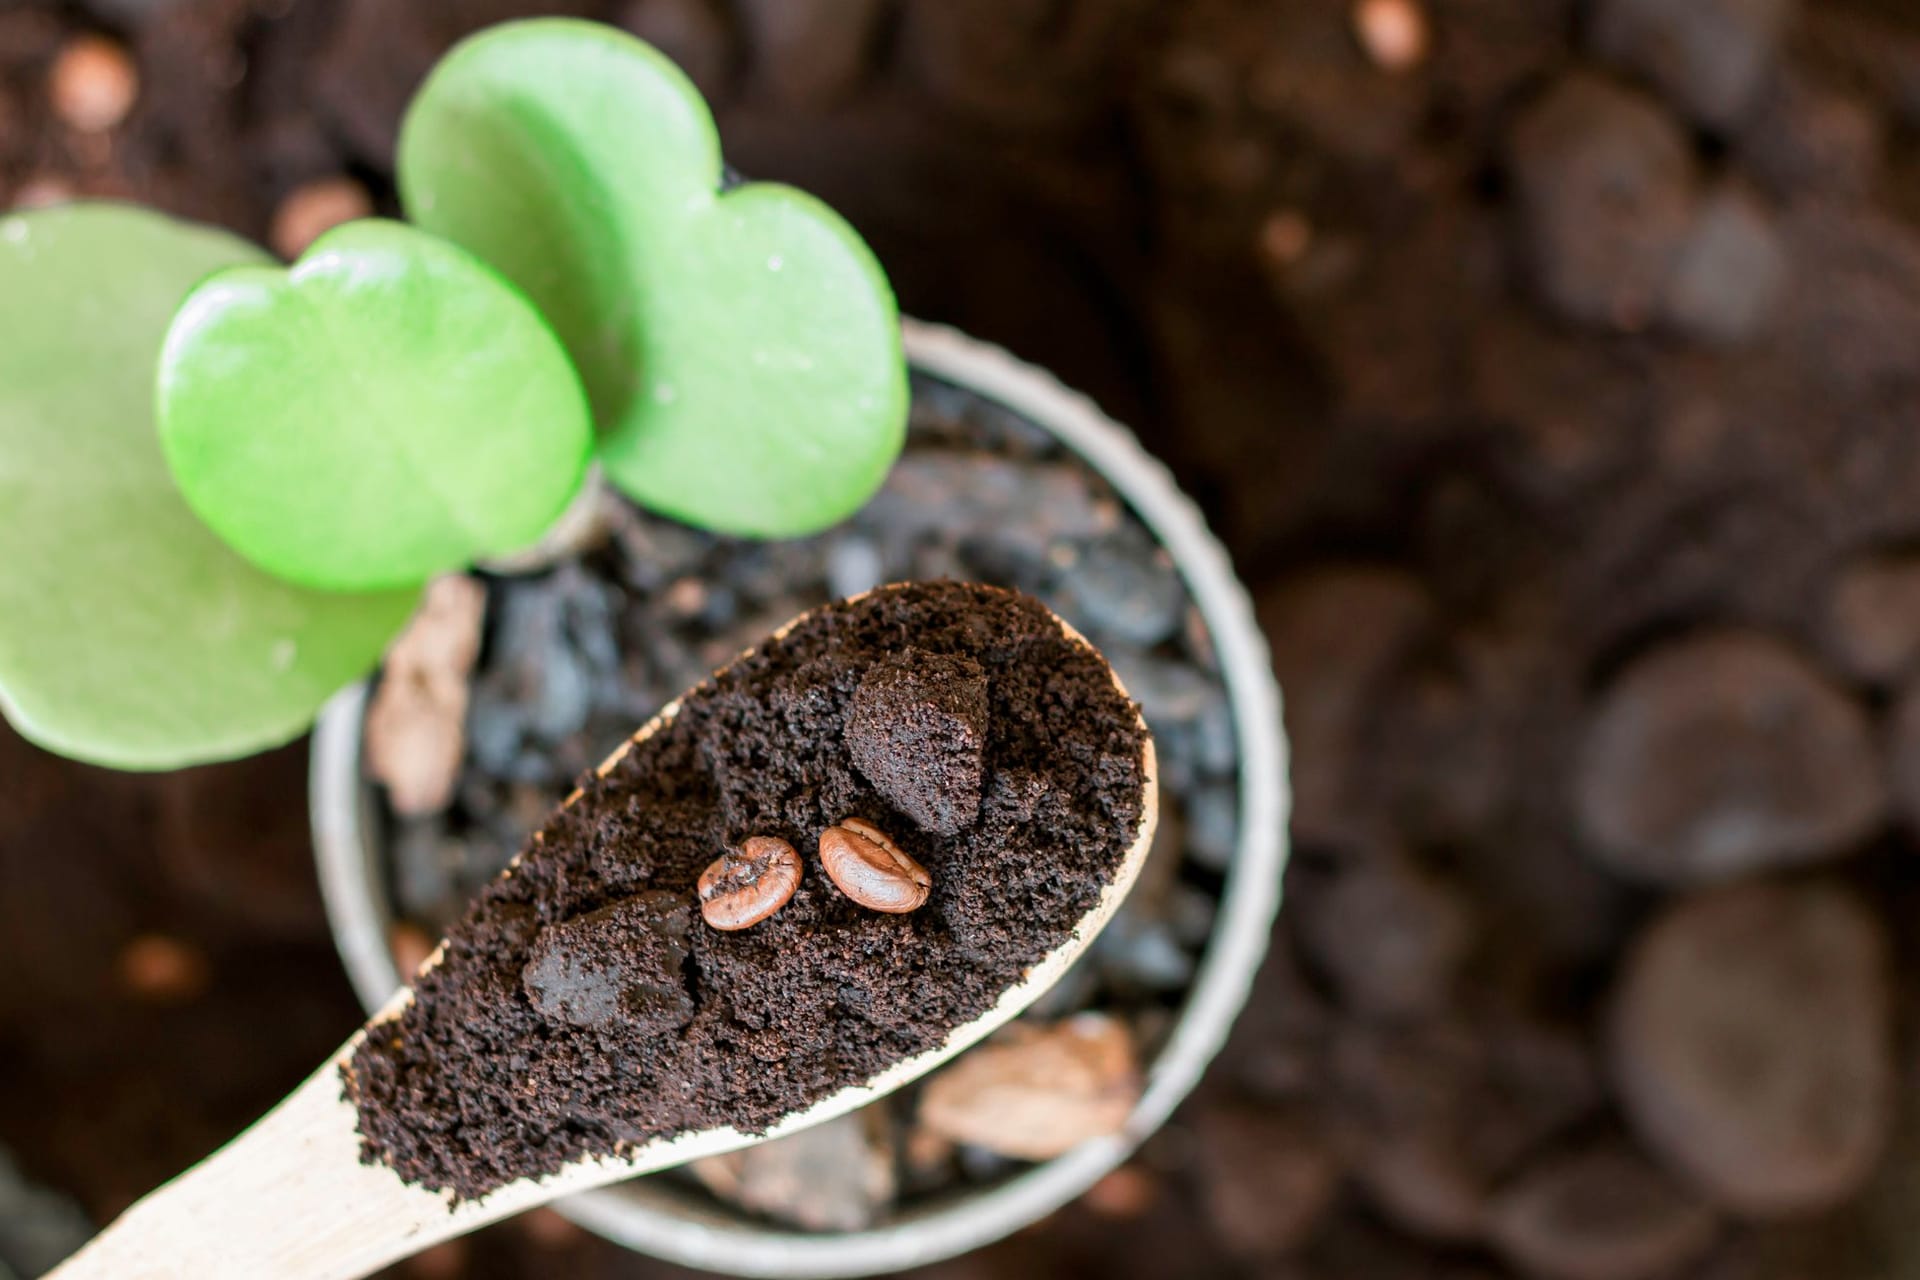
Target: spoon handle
{"type": "Point", "coordinates": [288, 1198]}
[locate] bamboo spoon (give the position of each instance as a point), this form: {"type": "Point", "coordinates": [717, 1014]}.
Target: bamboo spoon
{"type": "Point", "coordinates": [289, 1198]}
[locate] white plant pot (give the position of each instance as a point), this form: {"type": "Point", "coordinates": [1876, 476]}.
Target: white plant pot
{"type": "Point", "coordinates": [676, 1223]}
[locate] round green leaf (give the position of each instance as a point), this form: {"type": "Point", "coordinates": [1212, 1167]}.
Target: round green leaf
{"type": "Point", "coordinates": [129, 634]}
{"type": "Point", "coordinates": [742, 351]}
{"type": "Point", "coordinates": [386, 410]}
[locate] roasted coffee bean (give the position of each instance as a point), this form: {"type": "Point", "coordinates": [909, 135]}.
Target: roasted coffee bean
{"type": "Point", "coordinates": [869, 868]}
{"type": "Point", "coordinates": [746, 885]}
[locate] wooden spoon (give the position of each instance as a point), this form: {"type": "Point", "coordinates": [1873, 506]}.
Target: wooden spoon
{"type": "Point", "coordinates": [289, 1198]}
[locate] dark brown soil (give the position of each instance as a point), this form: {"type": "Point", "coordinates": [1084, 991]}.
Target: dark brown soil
{"type": "Point", "coordinates": [581, 1008]}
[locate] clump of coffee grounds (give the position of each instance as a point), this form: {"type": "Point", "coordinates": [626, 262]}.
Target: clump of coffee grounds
{"type": "Point", "coordinates": [918, 733]}
{"type": "Point", "coordinates": [473, 1087]}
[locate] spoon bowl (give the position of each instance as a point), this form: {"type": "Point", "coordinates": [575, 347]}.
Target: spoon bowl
{"type": "Point", "coordinates": [291, 1198]}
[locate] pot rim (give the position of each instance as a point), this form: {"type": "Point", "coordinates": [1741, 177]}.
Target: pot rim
{"type": "Point", "coordinates": [662, 1220]}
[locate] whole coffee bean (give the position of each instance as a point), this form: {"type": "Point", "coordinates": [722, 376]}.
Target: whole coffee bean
{"type": "Point", "coordinates": [869, 868]}
{"type": "Point", "coordinates": [746, 885]}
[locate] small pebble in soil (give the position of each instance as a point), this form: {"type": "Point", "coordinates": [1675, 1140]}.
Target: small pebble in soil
{"type": "Point", "coordinates": [1606, 188]}
{"type": "Point", "coordinates": [1034, 1092]}
{"type": "Point", "coordinates": [836, 1176]}
{"type": "Point", "coordinates": [1216, 741]}
{"type": "Point", "coordinates": [1871, 625]}
{"type": "Point", "coordinates": [1808, 136]}
{"type": "Point", "coordinates": [1190, 915]}
{"type": "Point", "coordinates": [1145, 955]}
{"type": "Point", "coordinates": [1389, 936]}
{"type": "Point", "coordinates": [494, 729]}
{"type": "Point", "coordinates": [1213, 825]}
{"type": "Point", "coordinates": [415, 731]}
{"type": "Point", "coordinates": [1722, 754]}
{"type": "Point", "coordinates": [686, 597]}
{"type": "Point", "coordinates": [163, 969]}
{"type": "Point", "coordinates": [1603, 1212]}
{"type": "Point", "coordinates": [1752, 1044]}
{"type": "Point", "coordinates": [1123, 588]}
{"type": "Point", "coordinates": [1015, 509]}
{"type": "Point", "coordinates": [539, 679]}
{"type": "Point", "coordinates": [1710, 57]}
{"type": "Point", "coordinates": [854, 565]}
{"type": "Point", "coordinates": [1393, 33]}
{"type": "Point", "coordinates": [1731, 273]}
{"type": "Point", "coordinates": [314, 208]}
{"type": "Point", "coordinates": [92, 84]}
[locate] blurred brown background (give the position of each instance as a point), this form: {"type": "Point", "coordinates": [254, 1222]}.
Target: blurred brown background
{"type": "Point", "coordinates": [1552, 370]}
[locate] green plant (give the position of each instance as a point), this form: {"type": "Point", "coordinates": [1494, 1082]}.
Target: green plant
{"type": "Point", "coordinates": [223, 483]}
{"type": "Point", "coordinates": [420, 413]}
{"type": "Point", "coordinates": [741, 350]}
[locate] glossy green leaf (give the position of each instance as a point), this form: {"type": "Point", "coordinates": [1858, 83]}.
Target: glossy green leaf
{"type": "Point", "coordinates": [742, 351]}
{"type": "Point", "coordinates": [386, 410]}
{"type": "Point", "coordinates": [129, 634]}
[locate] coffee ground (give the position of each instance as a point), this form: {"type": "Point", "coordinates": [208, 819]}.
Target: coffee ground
{"type": "Point", "coordinates": [918, 732]}
{"type": "Point", "coordinates": [473, 1086]}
